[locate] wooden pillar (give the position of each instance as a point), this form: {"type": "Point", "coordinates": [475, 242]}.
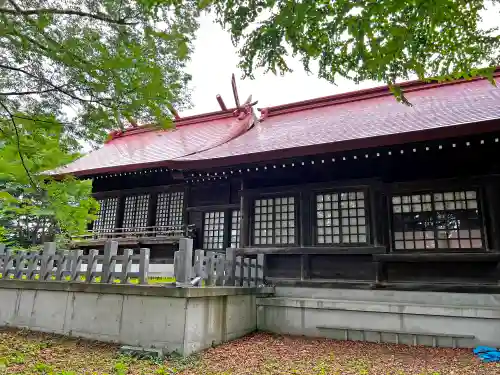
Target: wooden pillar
{"type": "Point", "coordinates": [245, 213]}
{"type": "Point", "coordinates": [120, 211]}
{"type": "Point", "coordinates": [227, 228]}
{"type": "Point", "coordinates": [153, 201]}
{"type": "Point", "coordinates": [306, 226]}
{"type": "Point", "coordinates": [381, 217]}
{"type": "Point", "coordinates": [305, 218]}
{"type": "Point", "coordinates": [185, 203]}
{"type": "Point", "coordinates": [490, 208]}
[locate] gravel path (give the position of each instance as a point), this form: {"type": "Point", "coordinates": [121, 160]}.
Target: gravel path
{"type": "Point", "coordinates": [24, 353]}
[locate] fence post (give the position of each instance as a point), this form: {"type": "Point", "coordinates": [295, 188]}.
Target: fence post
{"type": "Point", "coordinates": [253, 272]}
{"type": "Point", "coordinates": [126, 265]}
{"type": "Point", "coordinates": [210, 268]}
{"type": "Point", "coordinates": [143, 266]}
{"type": "Point", "coordinates": [108, 261]}
{"type": "Point", "coordinates": [238, 271]}
{"type": "Point", "coordinates": [230, 266]}
{"type": "Point", "coordinates": [200, 269]}
{"type": "Point", "coordinates": [8, 261]}
{"type": "Point", "coordinates": [76, 264]}
{"type": "Point", "coordinates": [32, 267]}
{"type": "Point", "coordinates": [178, 262]}
{"type": "Point", "coordinates": [62, 261]}
{"type": "Point", "coordinates": [186, 247]}
{"type": "Point", "coordinates": [47, 263]}
{"type": "Point", "coordinates": [91, 265]}
{"type": "Point", "coordinates": [220, 270]}
{"type": "Point", "coordinates": [260, 269]}
{"type": "Point", "coordinates": [19, 265]}
{"type": "Point", "coordinates": [247, 272]}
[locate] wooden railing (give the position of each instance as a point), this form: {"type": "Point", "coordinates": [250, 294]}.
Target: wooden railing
{"type": "Point", "coordinates": [73, 266]}
{"type": "Point", "coordinates": [170, 231]}
{"type": "Point", "coordinates": [212, 268]}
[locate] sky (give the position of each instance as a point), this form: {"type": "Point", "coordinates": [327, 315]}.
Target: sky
{"type": "Point", "coordinates": [215, 59]}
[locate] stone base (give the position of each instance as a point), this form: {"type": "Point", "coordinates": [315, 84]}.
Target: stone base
{"type": "Point", "coordinates": [183, 320]}
{"type": "Point", "coordinates": [414, 318]}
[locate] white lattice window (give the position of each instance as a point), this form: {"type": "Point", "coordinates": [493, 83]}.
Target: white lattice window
{"type": "Point", "coordinates": [341, 218]}
{"type": "Point", "coordinates": [135, 213]}
{"type": "Point", "coordinates": [437, 220]}
{"type": "Point", "coordinates": [106, 217]}
{"type": "Point", "coordinates": [213, 230]}
{"type": "Point", "coordinates": [170, 209]}
{"type": "Point", "coordinates": [274, 221]}
{"type": "Point", "coordinates": [235, 229]}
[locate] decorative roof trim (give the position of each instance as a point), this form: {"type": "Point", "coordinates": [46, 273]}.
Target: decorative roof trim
{"type": "Point", "coordinates": [353, 96]}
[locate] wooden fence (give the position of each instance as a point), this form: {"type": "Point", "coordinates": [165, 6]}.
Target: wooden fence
{"type": "Point", "coordinates": [69, 265]}
{"type": "Point", "coordinates": [219, 269]}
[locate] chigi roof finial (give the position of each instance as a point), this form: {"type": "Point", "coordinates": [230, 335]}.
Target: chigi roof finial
{"type": "Point", "coordinates": [240, 108]}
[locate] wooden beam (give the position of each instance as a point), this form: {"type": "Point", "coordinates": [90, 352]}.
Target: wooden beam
{"type": "Point", "coordinates": [214, 207]}
{"type": "Point", "coordinates": [319, 186]}
{"type": "Point", "coordinates": [367, 250]}
{"type": "Point", "coordinates": [439, 257]}
{"type": "Point", "coordinates": [221, 103]}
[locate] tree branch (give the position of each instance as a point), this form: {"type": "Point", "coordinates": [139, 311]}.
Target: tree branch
{"type": "Point", "coordinates": [20, 93]}
{"type": "Point", "coordinates": [19, 145]}
{"type": "Point", "coordinates": [69, 12]}
{"type": "Point", "coordinates": [54, 87]}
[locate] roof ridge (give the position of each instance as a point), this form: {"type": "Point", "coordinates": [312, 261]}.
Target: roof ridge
{"type": "Point", "coordinates": [183, 121]}
{"type": "Point", "coordinates": [358, 95]}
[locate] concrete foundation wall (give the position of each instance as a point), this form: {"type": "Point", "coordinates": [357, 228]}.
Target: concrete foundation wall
{"type": "Point", "coordinates": [173, 319]}
{"type": "Point", "coordinates": [429, 318]}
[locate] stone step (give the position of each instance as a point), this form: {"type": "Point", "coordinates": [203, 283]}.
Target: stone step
{"type": "Point", "coordinates": [398, 337]}
{"type": "Point", "coordinates": [391, 296]}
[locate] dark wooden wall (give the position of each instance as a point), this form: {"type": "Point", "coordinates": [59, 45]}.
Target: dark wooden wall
{"type": "Point", "coordinates": [461, 162]}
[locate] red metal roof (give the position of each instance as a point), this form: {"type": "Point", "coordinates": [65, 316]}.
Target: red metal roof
{"type": "Point", "coordinates": [366, 118]}
{"type": "Point", "coordinates": [372, 118]}
{"type": "Point", "coordinates": [141, 147]}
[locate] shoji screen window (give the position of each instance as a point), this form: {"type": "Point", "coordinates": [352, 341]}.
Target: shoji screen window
{"type": "Point", "coordinates": [341, 218]}
{"type": "Point", "coordinates": [213, 230]}
{"type": "Point", "coordinates": [135, 213]}
{"type": "Point", "coordinates": [170, 209]}
{"type": "Point", "coordinates": [106, 218]}
{"type": "Point", "coordinates": [235, 229]}
{"type": "Point", "coordinates": [274, 221]}
{"type": "Point", "coordinates": [437, 220]}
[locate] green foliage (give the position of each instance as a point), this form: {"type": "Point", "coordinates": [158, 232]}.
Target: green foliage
{"type": "Point", "coordinates": [106, 62]}
{"type": "Point", "coordinates": [381, 40]}
{"type": "Point", "coordinates": [35, 208]}
{"type": "Point", "coordinates": [70, 72]}
{"type": "Point", "coordinates": [73, 71]}
{"type": "Point", "coordinates": [121, 367]}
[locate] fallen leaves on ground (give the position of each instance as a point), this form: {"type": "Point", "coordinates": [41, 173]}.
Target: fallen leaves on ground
{"type": "Point", "coordinates": [23, 353]}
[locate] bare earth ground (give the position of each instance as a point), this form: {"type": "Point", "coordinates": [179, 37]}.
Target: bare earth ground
{"type": "Point", "coordinates": [30, 353]}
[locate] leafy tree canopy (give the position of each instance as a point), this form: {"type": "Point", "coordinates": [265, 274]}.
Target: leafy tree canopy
{"type": "Point", "coordinates": [105, 62]}
{"type": "Point", "coordinates": [381, 40]}
{"type": "Point", "coordinates": [73, 70]}
{"type": "Point", "coordinates": [35, 208]}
